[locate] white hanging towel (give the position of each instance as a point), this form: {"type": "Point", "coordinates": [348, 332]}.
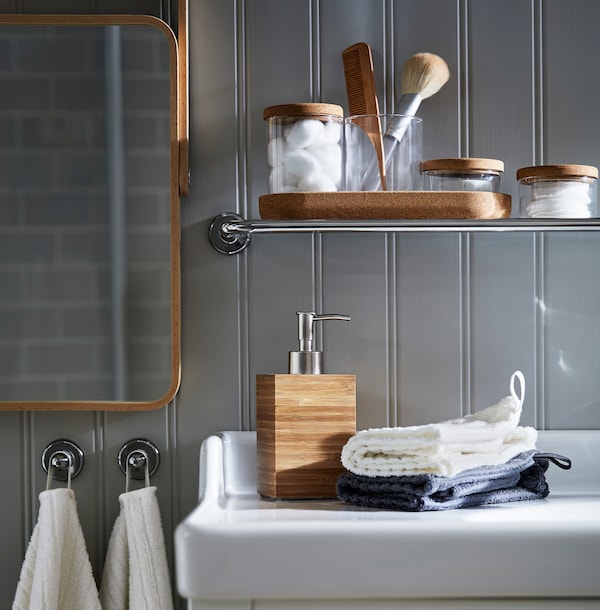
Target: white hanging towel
{"type": "Point", "coordinates": [136, 576]}
{"type": "Point", "coordinates": [56, 572]}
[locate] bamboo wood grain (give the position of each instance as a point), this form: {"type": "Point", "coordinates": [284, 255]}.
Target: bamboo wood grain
{"type": "Point", "coordinates": [183, 93]}
{"type": "Point", "coordinates": [302, 423]}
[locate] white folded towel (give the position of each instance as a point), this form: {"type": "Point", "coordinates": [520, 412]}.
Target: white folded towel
{"type": "Point", "coordinates": [488, 437]}
{"type": "Point", "coordinates": [56, 572]}
{"type": "Point", "coordinates": [136, 575]}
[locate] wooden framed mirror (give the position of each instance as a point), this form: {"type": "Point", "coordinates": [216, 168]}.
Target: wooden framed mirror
{"type": "Point", "coordinates": [92, 142]}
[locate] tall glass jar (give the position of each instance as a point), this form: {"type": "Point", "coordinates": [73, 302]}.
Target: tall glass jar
{"type": "Point", "coordinates": [304, 147]}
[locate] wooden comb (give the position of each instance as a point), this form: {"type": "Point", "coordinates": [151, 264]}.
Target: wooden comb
{"type": "Point", "coordinates": [362, 96]}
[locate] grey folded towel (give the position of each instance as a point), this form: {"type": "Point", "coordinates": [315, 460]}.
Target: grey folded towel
{"type": "Point", "coordinates": [520, 478]}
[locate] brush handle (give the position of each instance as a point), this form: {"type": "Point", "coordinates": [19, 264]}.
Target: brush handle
{"type": "Point", "coordinates": [407, 107]}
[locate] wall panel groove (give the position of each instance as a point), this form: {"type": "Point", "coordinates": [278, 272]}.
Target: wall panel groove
{"type": "Point", "coordinates": [538, 245]}
{"type": "Point", "coordinates": [462, 36]}
{"type": "Point", "coordinates": [392, 359]}
{"type": "Point", "coordinates": [465, 324]}
{"type": "Point", "coordinates": [538, 81]}
{"type": "Point", "coordinates": [103, 526]}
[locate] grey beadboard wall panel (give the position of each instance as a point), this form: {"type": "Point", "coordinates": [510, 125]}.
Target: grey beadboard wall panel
{"type": "Point", "coordinates": [571, 131]}
{"type": "Point", "coordinates": [359, 20]}
{"type": "Point", "coordinates": [213, 117]}
{"type": "Point", "coordinates": [572, 331]}
{"type": "Point", "coordinates": [570, 125]}
{"type": "Point", "coordinates": [428, 267]}
{"type": "Point", "coordinates": [429, 328]}
{"type": "Point", "coordinates": [430, 26]}
{"type": "Point", "coordinates": [15, 510]}
{"type": "Point", "coordinates": [502, 319]}
{"type": "Point", "coordinates": [209, 399]}
{"type": "Point", "coordinates": [499, 63]}
{"type": "Point", "coordinates": [355, 268]}
{"type": "Point", "coordinates": [282, 283]}
{"type": "Point", "coordinates": [356, 285]}
{"type": "Point", "coordinates": [277, 77]}
{"type": "Point", "coordinates": [280, 275]}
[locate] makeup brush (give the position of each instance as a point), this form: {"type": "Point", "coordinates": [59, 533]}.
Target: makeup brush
{"type": "Point", "coordinates": [423, 75]}
{"type": "Point", "coordinates": [362, 96]}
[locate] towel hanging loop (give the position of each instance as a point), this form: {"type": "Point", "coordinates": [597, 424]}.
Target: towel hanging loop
{"type": "Point", "coordinates": [139, 458]}
{"type": "Point", "coordinates": [62, 460]}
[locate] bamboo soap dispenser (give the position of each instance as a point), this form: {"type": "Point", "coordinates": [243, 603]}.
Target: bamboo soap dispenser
{"type": "Point", "coordinates": [303, 419]}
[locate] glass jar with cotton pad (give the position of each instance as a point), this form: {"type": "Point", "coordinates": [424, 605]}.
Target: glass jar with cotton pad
{"type": "Point", "coordinates": [558, 191]}
{"type": "Point", "coordinates": [463, 174]}
{"type": "Point", "coordinates": [304, 147]}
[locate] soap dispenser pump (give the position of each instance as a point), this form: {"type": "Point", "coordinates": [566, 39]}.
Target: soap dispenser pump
{"type": "Point", "coordinates": [307, 361]}
{"type": "Point", "coordinates": [303, 420]}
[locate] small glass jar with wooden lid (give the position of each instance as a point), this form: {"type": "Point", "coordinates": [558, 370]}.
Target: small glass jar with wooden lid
{"type": "Point", "coordinates": [463, 174]}
{"type": "Point", "coordinates": [558, 191]}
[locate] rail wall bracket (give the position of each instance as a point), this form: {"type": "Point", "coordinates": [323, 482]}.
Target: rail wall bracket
{"type": "Point", "coordinates": [223, 239]}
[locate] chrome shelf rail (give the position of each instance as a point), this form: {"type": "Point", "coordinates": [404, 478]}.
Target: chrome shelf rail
{"type": "Point", "coordinates": [230, 233]}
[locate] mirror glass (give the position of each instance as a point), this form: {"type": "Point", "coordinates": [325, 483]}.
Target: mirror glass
{"type": "Point", "coordinates": [86, 207]}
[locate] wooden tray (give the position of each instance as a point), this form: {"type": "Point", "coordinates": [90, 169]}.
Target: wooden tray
{"type": "Point", "coordinates": [384, 205]}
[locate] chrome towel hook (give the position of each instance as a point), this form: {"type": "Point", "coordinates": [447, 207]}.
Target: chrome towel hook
{"type": "Point", "coordinates": [139, 454]}
{"type": "Point", "coordinates": [63, 456]}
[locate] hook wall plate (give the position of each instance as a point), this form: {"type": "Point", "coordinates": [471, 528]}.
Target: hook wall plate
{"type": "Point", "coordinates": [63, 454]}
{"type": "Point", "coordinates": [138, 453]}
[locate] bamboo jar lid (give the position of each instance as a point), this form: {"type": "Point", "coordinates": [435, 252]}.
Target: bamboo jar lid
{"type": "Point", "coordinates": [557, 172]}
{"type": "Point", "coordinates": [303, 110]}
{"type": "Point", "coordinates": [464, 165]}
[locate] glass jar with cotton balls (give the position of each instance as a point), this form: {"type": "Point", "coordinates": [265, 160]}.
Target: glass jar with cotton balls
{"type": "Point", "coordinates": [304, 147]}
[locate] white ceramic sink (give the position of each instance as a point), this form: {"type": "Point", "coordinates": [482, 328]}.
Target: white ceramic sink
{"type": "Point", "coordinates": [237, 546]}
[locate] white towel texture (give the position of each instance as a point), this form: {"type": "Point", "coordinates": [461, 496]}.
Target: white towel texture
{"type": "Point", "coordinates": [136, 576]}
{"type": "Point", "coordinates": [488, 437]}
{"type": "Point", "coordinates": [56, 572]}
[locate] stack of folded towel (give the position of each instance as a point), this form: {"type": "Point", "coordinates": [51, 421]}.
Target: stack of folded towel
{"type": "Point", "coordinates": [482, 458]}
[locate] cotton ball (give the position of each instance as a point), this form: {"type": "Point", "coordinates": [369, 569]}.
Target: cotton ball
{"type": "Point", "coordinates": [304, 132]}
{"type": "Point", "coordinates": [281, 181]}
{"type": "Point", "coordinates": [332, 132]}
{"type": "Point", "coordinates": [326, 154]}
{"type": "Point", "coordinates": [301, 163]}
{"type": "Point", "coordinates": [317, 182]}
{"type": "Point", "coordinates": [329, 157]}
{"type": "Point", "coordinates": [276, 148]}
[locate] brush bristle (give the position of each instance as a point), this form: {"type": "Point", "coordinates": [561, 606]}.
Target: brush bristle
{"type": "Point", "coordinates": [425, 74]}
